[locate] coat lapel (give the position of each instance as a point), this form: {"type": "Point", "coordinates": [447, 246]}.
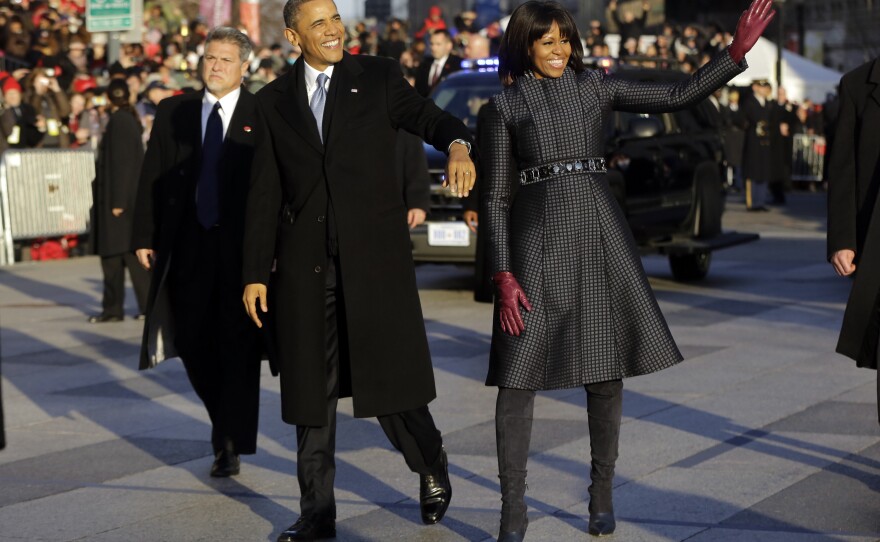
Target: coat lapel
{"type": "Point", "coordinates": [342, 97]}
{"type": "Point", "coordinates": [236, 136]}
{"type": "Point", "coordinates": [294, 107]}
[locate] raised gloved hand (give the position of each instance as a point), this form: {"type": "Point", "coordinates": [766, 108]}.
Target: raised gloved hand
{"type": "Point", "coordinates": [510, 294]}
{"type": "Point", "coordinates": [751, 25]}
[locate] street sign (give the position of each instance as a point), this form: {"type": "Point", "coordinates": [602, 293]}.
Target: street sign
{"type": "Point", "coordinates": [110, 15]}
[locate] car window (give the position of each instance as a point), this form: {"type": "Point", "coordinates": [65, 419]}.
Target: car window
{"type": "Point", "coordinates": [624, 118]}
{"type": "Point", "coordinates": [464, 102]}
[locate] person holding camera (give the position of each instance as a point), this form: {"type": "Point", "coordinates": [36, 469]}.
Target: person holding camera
{"type": "Point", "coordinates": [44, 94]}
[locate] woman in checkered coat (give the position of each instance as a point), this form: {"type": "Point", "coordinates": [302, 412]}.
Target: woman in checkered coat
{"type": "Point", "coordinates": [561, 247]}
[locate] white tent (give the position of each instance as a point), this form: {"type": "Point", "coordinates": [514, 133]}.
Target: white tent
{"type": "Point", "coordinates": [801, 77]}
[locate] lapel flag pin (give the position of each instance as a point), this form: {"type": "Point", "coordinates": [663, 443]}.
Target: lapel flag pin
{"type": "Point", "coordinates": [248, 129]}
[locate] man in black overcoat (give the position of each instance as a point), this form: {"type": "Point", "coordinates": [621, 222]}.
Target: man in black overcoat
{"type": "Point", "coordinates": [783, 120]}
{"type": "Point", "coordinates": [189, 229]}
{"type": "Point", "coordinates": [754, 118]}
{"type": "Point", "coordinates": [344, 300]}
{"type": "Point", "coordinates": [441, 63]}
{"type": "Point", "coordinates": [853, 219]}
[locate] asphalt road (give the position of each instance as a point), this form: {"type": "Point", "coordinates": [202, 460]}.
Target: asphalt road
{"type": "Point", "coordinates": [762, 434]}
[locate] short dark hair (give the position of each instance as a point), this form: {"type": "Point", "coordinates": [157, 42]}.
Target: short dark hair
{"type": "Point", "coordinates": [527, 24]}
{"type": "Point", "coordinates": [232, 35]}
{"type": "Point", "coordinates": [442, 32]}
{"type": "Point", "coordinates": [291, 11]}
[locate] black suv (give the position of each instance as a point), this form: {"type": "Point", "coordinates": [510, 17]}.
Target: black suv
{"type": "Point", "coordinates": [665, 171]}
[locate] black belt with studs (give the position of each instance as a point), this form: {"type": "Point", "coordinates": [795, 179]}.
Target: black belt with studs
{"type": "Point", "coordinates": [542, 173]}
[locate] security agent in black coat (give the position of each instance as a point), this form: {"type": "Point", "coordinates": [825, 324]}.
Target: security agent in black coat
{"type": "Point", "coordinates": [189, 228]}
{"type": "Point", "coordinates": [118, 166]}
{"type": "Point", "coordinates": [853, 225]}
{"type": "Point", "coordinates": [428, 75]}
{"type": "Point", "coordinates": [345, 300]}
{"type": "Point", "coordinates": [783, 123]}
{"type": "Point", "coordinates": [754, 118]}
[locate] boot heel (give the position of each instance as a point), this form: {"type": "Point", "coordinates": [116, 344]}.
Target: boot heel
{"type": "Point", "coordinates": [602, 524]}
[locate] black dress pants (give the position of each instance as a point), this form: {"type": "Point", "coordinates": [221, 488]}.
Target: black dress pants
{"type": "Point", "coordinates": [217, 342]}
{"type": "Point", "coordinates": [113, 268]}
{"type": "Point", "coordinates": [412, 432]}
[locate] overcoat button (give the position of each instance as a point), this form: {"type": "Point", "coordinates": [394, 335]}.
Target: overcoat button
{"type": "Point", "coordinates": [321, 218]}
{"type": "Point", "coordinates": [317, 269]}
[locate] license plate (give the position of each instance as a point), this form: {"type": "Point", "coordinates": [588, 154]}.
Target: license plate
{"type": "Point", "coordinates": [452, 234]}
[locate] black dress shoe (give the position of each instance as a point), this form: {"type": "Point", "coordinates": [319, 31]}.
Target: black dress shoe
{"type": "Point", "coordinates": [226, 464]}
{"type": "Point", "coordinates": [602, 524]}
{"type": "Point", "coordinates": [435, 492]}
{"type": "Point", "coordinates": [309, 528]}
{"type": "Point", "coordinates": [102, 318]}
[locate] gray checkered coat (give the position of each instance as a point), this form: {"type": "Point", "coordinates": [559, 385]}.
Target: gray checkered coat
{"type": "Point", "coordinates": [566, 240]}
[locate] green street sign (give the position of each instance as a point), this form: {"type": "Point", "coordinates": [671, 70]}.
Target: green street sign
{"type": "Point", "coordinates": [110, 15]}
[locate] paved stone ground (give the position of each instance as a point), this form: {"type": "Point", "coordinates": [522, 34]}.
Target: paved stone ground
{"type": "Point", "coordinates": [763, 434]}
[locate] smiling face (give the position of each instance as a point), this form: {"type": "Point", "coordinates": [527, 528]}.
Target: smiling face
{"type": "Point", "coordinates": [222, 68]}
{"type": "Point", "coordinates": [319, 33]}
{"type": "Point", "coordinates": [550, 54]}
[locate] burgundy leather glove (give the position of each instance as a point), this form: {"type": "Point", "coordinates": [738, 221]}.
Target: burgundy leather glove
{"type": "Point", "coordinates": [510, 294]}
{"type": "Point", "coordinates": [751, 25]}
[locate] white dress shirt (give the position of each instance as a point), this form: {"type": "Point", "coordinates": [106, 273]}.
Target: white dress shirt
{"type": "Point", "coordinates": [312, 79]}
{"type": "Point", "coordinates": [227, 107]}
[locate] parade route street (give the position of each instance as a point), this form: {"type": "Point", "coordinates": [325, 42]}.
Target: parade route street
{"type": "Point", "coordinates": [762, 434]}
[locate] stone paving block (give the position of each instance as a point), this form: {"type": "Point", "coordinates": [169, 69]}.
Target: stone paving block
{"type": "Point", "coordinates": [143, 387]}
{"type": "Point", "coordinates": [59, 472]}
{"type": "Point", "coordinates": [865, 394]}
{"type": "Point", "coordinates": [834, 417]}
{"type": "Point", "coordinates": [696, 495]}
{"type": "Point", "coordinates": [842, 498]}
{"type": "Point", "coordinates": [717, 312]}
{"type": "Point", "coordinates": [716, 534]}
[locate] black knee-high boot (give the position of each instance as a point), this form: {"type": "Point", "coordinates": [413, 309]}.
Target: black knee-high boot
{"type": "Point", "coordinates": [604, 410]}
{"type": "Point", "coordinates": [513, 430]}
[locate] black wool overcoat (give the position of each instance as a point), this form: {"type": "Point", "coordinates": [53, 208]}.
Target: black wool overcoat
{"type": "Point", "coordinates": [166, 198]}
{"type": "Point", "coordinates": [389, 367]}
{"type": "Point", "coordinates": [853, 217]}
{"type": "Point", "coordinates": [117, 171]}
{"type": "Point", "coordinates": [754, 119]}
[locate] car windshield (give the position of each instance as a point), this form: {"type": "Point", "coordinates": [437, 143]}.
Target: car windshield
{"type": "Point", "coordinates": [464, 96]}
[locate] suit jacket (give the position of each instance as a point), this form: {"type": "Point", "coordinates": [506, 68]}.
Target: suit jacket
{"type": "Point", "coordinates": [423, 84]}
{"type": "Point", "coordinates": [853, 187]}
{"type": "Point", "coordinates": [295, 176]}
{"type": "Point", "coordinates": [166, 204]}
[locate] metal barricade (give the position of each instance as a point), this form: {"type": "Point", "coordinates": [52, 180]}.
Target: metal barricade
{"type": "Point", "coordinates": [808, 157]}
{"type": "Point", "coordinates": [44, 193]}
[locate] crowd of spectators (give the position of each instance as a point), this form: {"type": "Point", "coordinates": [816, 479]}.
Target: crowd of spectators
{"type": "Point", "coordinates": [54, 73]}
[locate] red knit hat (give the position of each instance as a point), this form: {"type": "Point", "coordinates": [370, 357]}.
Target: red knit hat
{"type": "Point", "coordinates": [10, 84]}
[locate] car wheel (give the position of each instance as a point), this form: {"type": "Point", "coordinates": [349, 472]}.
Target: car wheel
{"type": "Point", "coordinates": [690, 267]}
{"type": "Point", "coordinates": [708, 202]}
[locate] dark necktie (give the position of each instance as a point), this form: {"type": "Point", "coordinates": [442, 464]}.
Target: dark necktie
{"type": "Point", "coordinates": [208, 191]}
{"type": "Point", "coordinates": [319, 99]}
